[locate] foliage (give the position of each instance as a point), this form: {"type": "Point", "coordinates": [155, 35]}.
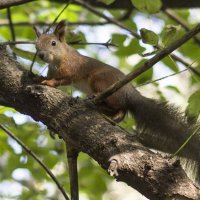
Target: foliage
{"type": "Point", "coordinates": [147, 6]}
{"type": "Point", "coordinates": [128, 55]}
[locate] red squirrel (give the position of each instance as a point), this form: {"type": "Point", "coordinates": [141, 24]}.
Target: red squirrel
{"type": "Point", "coordinates": [67, 66]}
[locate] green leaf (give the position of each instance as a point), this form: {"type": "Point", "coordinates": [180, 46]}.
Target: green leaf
{"type": "Point", "coordinates": [4, 120]}
{"type": "Point", "coordinates": [193, 108]}
{"type": "Point", "coordinates": [26, 54]}
{"type": "Point", "coordinates": [74, 37]}
{"type": "Point", "coordinates": [77, 37]}
{"type": "Point", "coordinates": [170, 63]}
{"type": "Point", "coordinates": [132, 48]}
{"type": "Point", "coordinates": [191, 50]}
{"type": "Point", "coordinates": [173, 88]}
{"type": "Point", "coordinates": [149, 37]}
{"type": "Point", "coordinates": [170, 34]}
{"type": "Point", "coordinates": [118, 39]}
{"type": "Point", "coordinates": [146, 76]}
{"type": "Point", "coordinates": [149, 6]}
{"type": "Point", "coordinates": [4, 109]}
{"type": "Point", "coordinates": [107, 2]}
{"type": "Point", "coordinates": [131, 25]}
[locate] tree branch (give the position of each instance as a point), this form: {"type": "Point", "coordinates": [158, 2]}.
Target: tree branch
{"type": "Point", "coordinates": [147, 65]}
{"type": "Point", "coordinates": [9, 3]}
{"type": "Point", "coordinates": [105, 44]}
{"type": "Point", "coordinates": [11, 24]}
{"type": "Point", "coordinates": [86, 23]}
{"type": "Point", "coordinates": [78, 122]}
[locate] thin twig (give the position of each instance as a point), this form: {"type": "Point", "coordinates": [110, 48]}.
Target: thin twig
{"type": "Point", "coordinates": [147, 65]}
{"type": "Point", "coordinates": [178, 20]}
{"type": "Point", "coordinates": [55, 20]}
{"type": "Point", "coordinates": [186, 142]}
{"type": "Point", "coordinates": [33, 61]}
{"type": "Point", "coordinates": [159, 79]}
{"type": "Point", "coordinates": [34, 156]}
{"type": "Point", "coordinates": [186, 64]}
{"type": "Point", "coordinates": [106, 44]}
{"type": "Point", "coordinates": [47, 24]}
{"type": "Point", "coordinates": [12, 31]}
{"type": "Point", "coordinates": [11, 24]}
{"type": "Point", "coordinates": [17, 42]}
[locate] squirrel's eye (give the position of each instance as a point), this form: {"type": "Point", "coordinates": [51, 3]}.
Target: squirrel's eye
{"type": "Point", "coordinates": [53, 43]}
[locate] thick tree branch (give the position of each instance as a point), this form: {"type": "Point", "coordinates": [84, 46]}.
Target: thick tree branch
{"type": "Point", "coordinates": [79, 123]}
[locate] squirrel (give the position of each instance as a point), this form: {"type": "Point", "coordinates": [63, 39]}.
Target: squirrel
{"type": "Point", "coordinates": [155, 120]}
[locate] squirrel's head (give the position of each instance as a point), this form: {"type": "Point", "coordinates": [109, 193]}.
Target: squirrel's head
{"type": "Point", "coordinates": [51, 46]}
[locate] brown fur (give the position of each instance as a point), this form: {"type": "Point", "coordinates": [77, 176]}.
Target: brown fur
{"type": "Point", "coordinates": [67, 66]}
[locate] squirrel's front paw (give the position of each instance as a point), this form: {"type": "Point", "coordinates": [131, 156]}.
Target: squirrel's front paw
{"type": "Point", "coordinates": [51, 83]}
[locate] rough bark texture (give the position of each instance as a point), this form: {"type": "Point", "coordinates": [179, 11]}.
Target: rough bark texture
{"type": "Point", "coordinates": [78, 122]}
{"type": "Point", "coordinates": [118, 4]}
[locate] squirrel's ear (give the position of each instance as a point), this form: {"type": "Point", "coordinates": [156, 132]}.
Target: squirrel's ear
{"type": "Point", "coordinates": [60, 31]}
{"type": "Point", "coordinates": [38, 33]}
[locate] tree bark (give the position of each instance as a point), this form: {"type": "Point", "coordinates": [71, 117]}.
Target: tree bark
{"type": "Point", "coordinates": [118, 4]}
{"type": "Point", "coordinates": [8, 3]}
{"type": "Point", "coordinates": [78, 122]}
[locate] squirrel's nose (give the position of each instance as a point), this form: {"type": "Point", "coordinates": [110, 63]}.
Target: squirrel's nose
{"type": "Point", "coordinates": [41, 55]}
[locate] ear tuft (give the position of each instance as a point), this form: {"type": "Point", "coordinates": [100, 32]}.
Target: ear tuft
{"type": "Point", "coordinates": [60, 30]}
{"type": "Point", "coordinates": [38, 33]}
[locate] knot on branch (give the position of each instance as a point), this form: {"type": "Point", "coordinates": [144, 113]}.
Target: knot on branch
{"type": "Point", "coordinates": [34, 89]}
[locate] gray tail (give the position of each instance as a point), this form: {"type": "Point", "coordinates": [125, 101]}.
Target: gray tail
{"type": "Point", "coordinates": [161, 126]}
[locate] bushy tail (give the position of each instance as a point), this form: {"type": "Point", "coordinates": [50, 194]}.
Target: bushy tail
{"type": "Point", "coordinates": [161, 126]}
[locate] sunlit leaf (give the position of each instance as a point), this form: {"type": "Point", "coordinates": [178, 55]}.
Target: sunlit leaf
{"type": "Point", "coordinates": [147, 6]}
{"type": "Point", "coordinates": [26, 54]}
{"type": "Point", "coordinates": [193, 108]}
{"type": "Point", "coordinates": [118, 39]}
{"type": "Point", "coordinates": [170, 34]}
{"type": "Point", "coordinates": [146, 76]}
{"type": "Point", "coordinates": [132, 48]}
{"type": "Point", "coordinates": [107, 2]}
{"type": "Point", "coordinates": [170, 63]}
{"type": "Point", "coordinates": [173, 88]}
{"type": "Point", "coordinates": [149, 37]}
